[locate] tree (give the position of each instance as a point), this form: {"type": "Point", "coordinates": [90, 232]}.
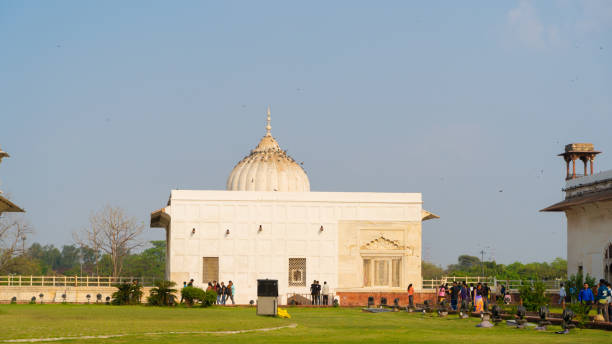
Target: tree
{"type": "Point", "coordinates": [13, 233]}
{"type": "Point", "coordinates": [149, 263]}
{"type": "Point", "coordinates": [111, 231]}
{"type": "Point", "coordinates": [467, 262]}
{"type": "Point", "coordinates": [23, 265]}
{"type": "Point", "coordinates": [431, 270]}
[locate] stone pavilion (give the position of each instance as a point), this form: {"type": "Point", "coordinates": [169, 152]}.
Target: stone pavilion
{"type": "Point", "coordinates": [268, 224]}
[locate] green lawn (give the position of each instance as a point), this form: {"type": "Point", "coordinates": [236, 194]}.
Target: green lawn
{"type": "Point", "coordinates": [313, 325]}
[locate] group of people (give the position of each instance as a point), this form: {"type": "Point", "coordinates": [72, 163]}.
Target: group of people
{"type": "Point", "coordinates": [316, 290]}
{"type": "Point", "coordinates": [224, 292]}
{"type": "Point", "coordinates": [478, 295]}
{"type": "Point", "coordinates": [602, 297]}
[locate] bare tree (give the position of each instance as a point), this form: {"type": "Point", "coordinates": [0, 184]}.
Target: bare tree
{"type": "Point", "coordinates": [13, 233]}
{"type": "Point", "coordinates": [111, 231]}
{"type": "Point", "coordinates": [91, 238]}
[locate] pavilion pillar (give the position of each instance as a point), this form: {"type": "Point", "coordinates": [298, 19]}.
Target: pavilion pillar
{"type": "Point", "coordinates": [574, 151]}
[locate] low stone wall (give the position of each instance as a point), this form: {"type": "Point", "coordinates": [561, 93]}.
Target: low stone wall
{"type": "Point", "coordinates": [353, 299]}
{"type": "Point", "coordinates": [54, 294]}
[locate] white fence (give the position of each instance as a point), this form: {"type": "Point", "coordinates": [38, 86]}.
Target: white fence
{"type": "Point", "coordinates": [70, 281]}
{"type": "Point", "coordinates": [494, 283]}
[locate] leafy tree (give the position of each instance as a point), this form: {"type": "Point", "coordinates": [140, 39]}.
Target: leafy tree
{"type": "Point", "coordinates": [23, 265]}
{"type": "Point", "coordinates": [48, 256]}
{"type": "Point", "coordinates": [467, 262]}
{"type": "Point", "coordinates": [69, 258]}
{"type": "Point", "coordinates": [150, 263]}
{"type": "Point", "coordinates": [470, 266]}
{"type": "Point", "coordinates": [431, 270]}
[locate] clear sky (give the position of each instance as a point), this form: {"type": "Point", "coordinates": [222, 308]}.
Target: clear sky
{"type": "Point", "coordinates": [468, 102]}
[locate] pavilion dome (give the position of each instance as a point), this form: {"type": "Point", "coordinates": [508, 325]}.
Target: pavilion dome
{"type": "Point", "coordinates": [268, 168]}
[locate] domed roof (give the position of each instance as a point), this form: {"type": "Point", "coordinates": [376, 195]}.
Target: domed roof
{"type": "Point", "coordinates": [268, 168]}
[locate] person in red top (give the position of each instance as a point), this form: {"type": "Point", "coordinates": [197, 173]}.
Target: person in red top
{"type": "Point", "coordinates": [411, 295]}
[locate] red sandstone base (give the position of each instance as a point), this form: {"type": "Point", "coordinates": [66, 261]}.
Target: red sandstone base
{"type": "Point", "coordinates": [354, 299]}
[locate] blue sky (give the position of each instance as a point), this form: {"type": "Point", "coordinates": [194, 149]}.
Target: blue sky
{"type": "Point", "coordinates": [119, 102]}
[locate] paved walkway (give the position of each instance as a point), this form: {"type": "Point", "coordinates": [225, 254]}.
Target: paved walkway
{"type": "Point", "coordinates": [54, 339]}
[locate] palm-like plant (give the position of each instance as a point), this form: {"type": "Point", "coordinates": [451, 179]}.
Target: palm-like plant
{"type": "Point", "coordinates": [122, 295]}
{"type": "Point", "coordinates": [162, 294]}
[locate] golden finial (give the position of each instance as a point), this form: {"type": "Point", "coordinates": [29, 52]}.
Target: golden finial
{"type": "Point", "coordinates": [268, 126]}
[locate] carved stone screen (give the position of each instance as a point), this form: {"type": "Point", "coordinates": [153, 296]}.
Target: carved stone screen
{"type": "Point", "coordinates": [367, 276]}
{"type": "Point", "coordinates": [210, 269]}
{"type": "Point", "coordinates": [395, 277]}
{"type": "Point", "coordinates": [297, 272]}
{"type": "Point", "coordinates": [382, 272]}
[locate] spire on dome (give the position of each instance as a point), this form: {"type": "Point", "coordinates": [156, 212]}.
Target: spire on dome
{"type": "Point", "coordinates": [268, 126]}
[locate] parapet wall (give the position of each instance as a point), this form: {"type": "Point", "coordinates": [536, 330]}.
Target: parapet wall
{"type": "Point", "coordinates": [354, 299]}
{"type": "Point", "coordinates": [54, 294]}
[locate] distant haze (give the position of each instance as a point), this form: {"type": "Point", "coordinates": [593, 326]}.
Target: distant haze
{"type": "Point", "coordinates": [119, 102]}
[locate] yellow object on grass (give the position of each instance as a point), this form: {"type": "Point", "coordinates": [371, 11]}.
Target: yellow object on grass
{"type": "Point", "coordinates": [283, 313]}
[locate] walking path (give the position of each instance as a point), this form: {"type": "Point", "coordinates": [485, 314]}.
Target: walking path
{"type": "Point", "coordinates": [55, 339]}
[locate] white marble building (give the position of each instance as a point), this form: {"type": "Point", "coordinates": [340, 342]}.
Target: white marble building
{"type": "Point", "coordinates": [588, 208]}
{"type": "Point", "coordinates": [268, 224]}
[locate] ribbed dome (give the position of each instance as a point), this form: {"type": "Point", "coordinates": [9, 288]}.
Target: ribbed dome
{"type": "Point", "coordinates": [268, 168]}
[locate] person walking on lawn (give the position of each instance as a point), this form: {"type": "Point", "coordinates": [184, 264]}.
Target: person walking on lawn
{"type": "Point", "coordinates": [586, 296]}
{"type": "Point", "coordinates": [602, 300]}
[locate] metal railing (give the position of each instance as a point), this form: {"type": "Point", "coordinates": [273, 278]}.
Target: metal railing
{"type": "Point", "coordinates": [306, 299]}
{"type": "Point", "coordinates": [434, 283]}
{"type": "Point", "coordinates": [71, 281]}
{"type": "Point", "coordinates": [511, 285]}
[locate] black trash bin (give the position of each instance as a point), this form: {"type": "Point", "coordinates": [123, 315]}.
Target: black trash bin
{"type": "Point", "coordinates": [267, 297]}
{"type": "Point", "coordinates": [267, 287]}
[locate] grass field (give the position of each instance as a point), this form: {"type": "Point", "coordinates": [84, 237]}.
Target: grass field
{"type": "Point", "coordinates": [338, 325]}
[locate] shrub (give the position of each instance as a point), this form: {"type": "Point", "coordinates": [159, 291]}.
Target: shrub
{"type": "Point", "coordinates": [162, 294]}
{"type": "Point", "coordinates": [135, 294]}
{"type": "Point", "coordinates": [192, 295]}
{"type": "Point", "coordinates": [210, 297]}
{"type": "Point", "coordinates": [533, 296]}
{"type": "Point", "coordinates": [581, 310]}
{"type": "Point", "coordinates": [127, 294]}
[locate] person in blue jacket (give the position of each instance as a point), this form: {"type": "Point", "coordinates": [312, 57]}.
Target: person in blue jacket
{"type": "Point", "coordinates": [586, 296]}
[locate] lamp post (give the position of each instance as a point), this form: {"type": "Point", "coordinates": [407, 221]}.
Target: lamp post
{"type": "Point", "coordinates": [482, 253]}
